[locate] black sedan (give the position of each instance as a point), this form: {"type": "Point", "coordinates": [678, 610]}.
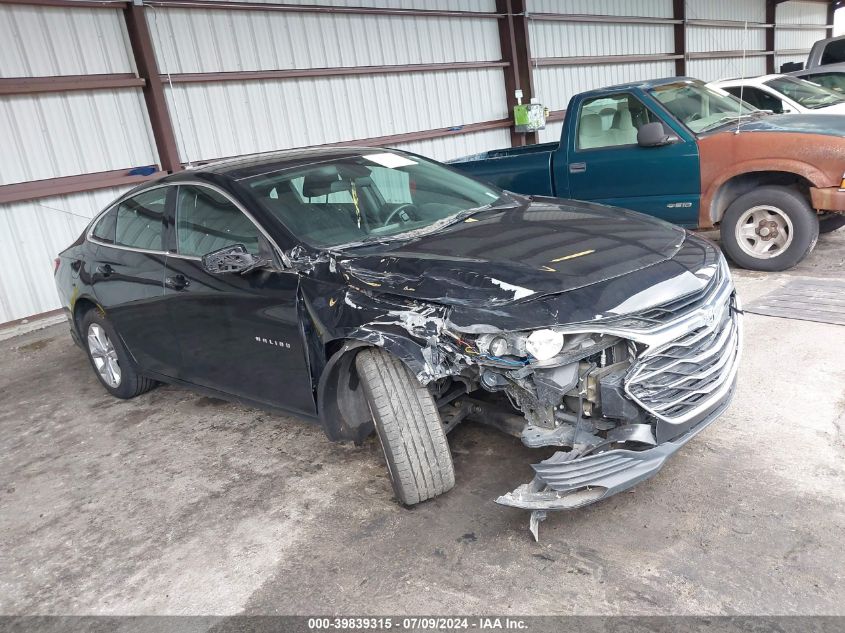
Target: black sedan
{"type": "Point", "coordinates": [372, 289]}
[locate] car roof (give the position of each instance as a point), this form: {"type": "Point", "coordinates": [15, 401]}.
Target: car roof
{"type": "Point", "coordinates": [819, 70]}
{"type": "Point", "coordinates": [748, 81]}
{"type": "Point", "coordinates": [250, 165]}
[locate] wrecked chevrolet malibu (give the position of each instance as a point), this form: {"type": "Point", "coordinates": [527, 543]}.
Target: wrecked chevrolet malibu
{"type": "Point", "coordinates": [373, 290]}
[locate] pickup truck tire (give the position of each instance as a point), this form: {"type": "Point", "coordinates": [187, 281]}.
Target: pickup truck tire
{"type": "Point", "coordinates": [408, 426]}
{"type": "Point", "coordinates": [110, 359]}
{"type": "Point", "coordinates": [829, 222]}
{"type": "Point", "coordinates": [771, 228]}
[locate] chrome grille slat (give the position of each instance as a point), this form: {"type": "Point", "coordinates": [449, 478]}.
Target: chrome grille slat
{"type": "Point", "coordinates": [716, 349]}
{"type": "Point", "coordinates": [681, 378]}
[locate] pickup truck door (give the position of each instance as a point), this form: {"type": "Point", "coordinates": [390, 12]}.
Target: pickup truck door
{"type": "Point", "coordinates": [603, 162]}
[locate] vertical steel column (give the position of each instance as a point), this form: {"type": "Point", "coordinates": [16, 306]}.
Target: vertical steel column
{"type": "Point", "coordinates": [831, 10]}
{"type": "Point", "coordinates": [771, 18]}
{"type": "Point", "coordinates": [514, 41]}
{"type": "Point", "coordinates": [679, 12]}
{"type": "Point", "coordinates": [145, 62]}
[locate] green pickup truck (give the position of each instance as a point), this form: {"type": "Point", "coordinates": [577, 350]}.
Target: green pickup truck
{"type": "Point", "coordinates": [693, 155]}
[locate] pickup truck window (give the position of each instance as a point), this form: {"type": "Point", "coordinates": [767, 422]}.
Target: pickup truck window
{"type": "Point", "coordinates": [834, 53]}
{"type": "Point", "coordinates": [698, 106]}
{"type": "Point", "coordinates": [806, 93]}
{"type": "Point", "coordinates": [371, 197]}
{"type": "Point", "coordinates": [611, 121]}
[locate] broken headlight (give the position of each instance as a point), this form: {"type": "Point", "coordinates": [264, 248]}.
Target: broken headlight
{"type": "Point", "coordinates": [544, 344]}
{"type": "Point", "coordinates": [540, 344]}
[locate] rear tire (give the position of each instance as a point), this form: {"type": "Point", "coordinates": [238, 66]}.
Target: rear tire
{"type": "Point", "coordinates": [829, 222]}
{"type": "Point", "coordinates": [109, 358]}
{"type": "Point", "coordinates": [408, 426]}
{"type": "Point", "coordinates": [771, 228]}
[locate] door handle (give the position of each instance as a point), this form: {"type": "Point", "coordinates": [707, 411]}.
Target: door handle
{"type": "Point", "coordinates": [177, 282]}
{"type": "Point", "coordinates": [105, 270]}
{"type": "Point", "coordinates": [577, 168]}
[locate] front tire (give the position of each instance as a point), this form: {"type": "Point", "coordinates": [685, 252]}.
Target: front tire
{"type": "Point", "coordinates": [110, 359]}
{"type": "Point", "coordinates": [770, 229]}
{"type": "Point", "coordinates": [408, 426]}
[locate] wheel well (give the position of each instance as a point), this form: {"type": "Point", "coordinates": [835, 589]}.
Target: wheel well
{"type": "Point", "coordinates": [341, 407]}
{"type": "Point", "coordinates": [80, 309]}
{"type": "Point", "coordinates": [743, 183]}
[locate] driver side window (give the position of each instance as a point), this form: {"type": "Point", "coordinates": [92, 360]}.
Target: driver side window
{"type": "Point", "coordinates": [612, 121]}
{"type": "Point", "coordinates": [207, 221]}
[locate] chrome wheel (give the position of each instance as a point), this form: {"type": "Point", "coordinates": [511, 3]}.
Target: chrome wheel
{"type": "Point", "coordinates": [764, 232]}
{"type": "Point", "coordinates": [104, 355]}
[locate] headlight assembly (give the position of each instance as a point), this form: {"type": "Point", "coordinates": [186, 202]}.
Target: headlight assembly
{"type": "Point", "coordinates": [544, 344]}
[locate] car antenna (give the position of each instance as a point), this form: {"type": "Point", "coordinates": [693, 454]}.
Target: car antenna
{"type": "Point", "coordinates": [742, 83]}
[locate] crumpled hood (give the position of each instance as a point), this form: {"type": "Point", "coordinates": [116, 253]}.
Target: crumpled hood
{"type": "Point", "coordinates": [825, 124]}
{"type": "Point", "coordinates": [515, 255]}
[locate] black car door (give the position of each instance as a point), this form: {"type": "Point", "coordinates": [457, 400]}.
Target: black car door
{"type": "Point", "coordinates": [128, 277]}
{"type": "Point", "coordinates": [238, 333]}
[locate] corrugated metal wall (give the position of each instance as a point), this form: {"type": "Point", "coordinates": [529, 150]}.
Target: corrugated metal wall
{"type": "Point", "coordinates": [555, 85]}
{"type": "Point", "coordinates": [60, 134]}
{"type": "Point", "coordinates": [229, 118]}
{"type": "Point", "coordinates": [799, 12]}
{"type": "Point", "coordinates": [723, 38]}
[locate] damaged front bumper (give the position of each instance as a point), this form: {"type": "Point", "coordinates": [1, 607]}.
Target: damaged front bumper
{"type": "Point", "coordinates": [562, 484]}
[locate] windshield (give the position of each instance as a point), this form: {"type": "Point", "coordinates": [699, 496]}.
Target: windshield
{"type": "Point", "coordinates": [375, 196]}
{"type": "Point", "coordinates": [698, 106]}
{"type": "Point", "coordinates": [832, 81]}
{"type": "Point", "coordinates": [805, 93]}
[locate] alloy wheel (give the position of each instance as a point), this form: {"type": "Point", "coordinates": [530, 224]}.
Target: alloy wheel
{"type": "Point", "coordinates": [764, 232]}
{"type": "Point", "coordinates": [104, 355]}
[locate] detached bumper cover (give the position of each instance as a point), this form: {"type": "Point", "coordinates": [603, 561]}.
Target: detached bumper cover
{"type": "Point", "coordinates": [562, 484]}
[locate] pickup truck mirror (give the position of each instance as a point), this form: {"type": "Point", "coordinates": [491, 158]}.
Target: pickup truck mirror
{"type": "Point", "coordinates": [654, 135]}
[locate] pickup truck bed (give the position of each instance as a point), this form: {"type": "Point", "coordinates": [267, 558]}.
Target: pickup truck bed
{"type": "Point", "coordinates": [523, 169]}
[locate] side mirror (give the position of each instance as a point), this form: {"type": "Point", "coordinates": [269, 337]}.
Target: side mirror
{"type": "Point", "coordinates": [654, 135]}
{"type": "Point", "coordinates": [231, 259]}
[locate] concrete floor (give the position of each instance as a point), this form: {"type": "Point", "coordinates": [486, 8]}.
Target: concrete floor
{"type": "Point", "coordinates": [177, 503]}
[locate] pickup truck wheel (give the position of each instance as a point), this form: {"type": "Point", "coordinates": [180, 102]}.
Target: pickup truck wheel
{"type": "Point", "coordinates": [770, 228]}
{"type": "Point", "coordinates": [829, 222]}
{"type": "Point", "coordinates": [109, 358]}
{"type": "Point", "coordinates": [408, 426]}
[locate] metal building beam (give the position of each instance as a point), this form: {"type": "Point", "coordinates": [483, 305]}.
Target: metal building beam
{"type": "Point", "coordinates": [65, 83]}
{"type": "Point", "coordinates": [338, 71]}
{"type": "Point", "coordinates": [145, 62]}
{"type": "Point", "coordinates": [216, 5]}
{"type": "Point", "coordinates": [679, 13]}
{"type": "Point", "coordinates": [771, 18]}
{"type": "Point", "coordinates": [34, 189]}
{"type": "Point", "coordinates": [514, 41]}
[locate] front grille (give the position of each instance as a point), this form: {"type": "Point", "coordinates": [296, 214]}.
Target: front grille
{"type": "Point", "coordinates": [682, 378]}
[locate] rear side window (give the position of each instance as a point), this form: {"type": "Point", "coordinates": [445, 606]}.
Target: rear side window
{"type": "Point", "coordinates": [207, 221]}
{"type": "Point", "coordinates": [104, 229]}
{"type": "Point", "coordinates": [138, 220]}
{"type": "Point", "coordinates": [760, 99]}
{"type": "Point", "coordinates": [834, 53]}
